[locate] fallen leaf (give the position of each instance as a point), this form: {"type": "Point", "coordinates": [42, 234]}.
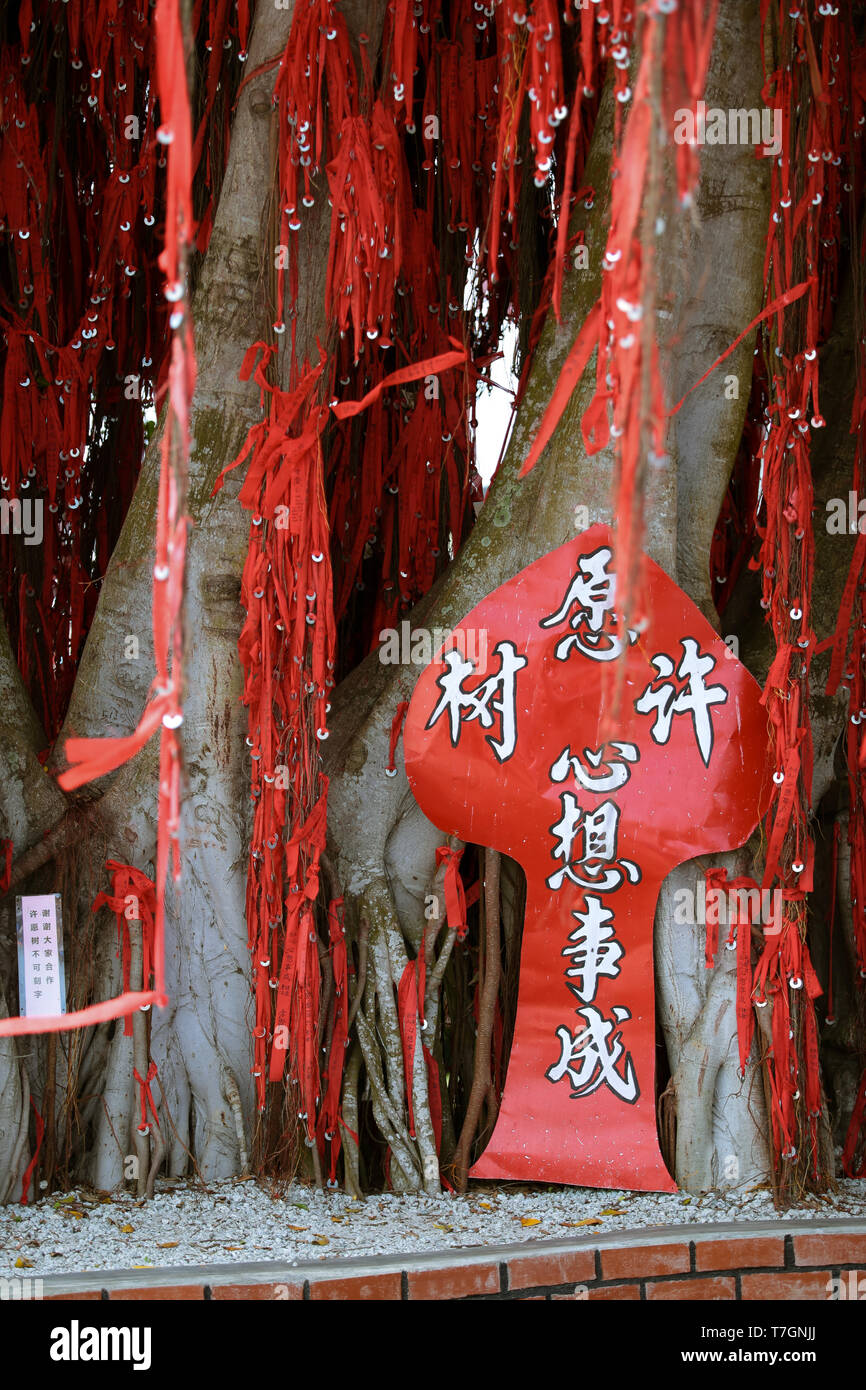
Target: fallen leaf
{"type": "Point", "coordinates": [21, 1263]}
{"type": "Point", "coordinates": [587, 1221]}
{"type": "Point", "coordinates": [167, 1244]}
{"type": "Point", "coordinates": [298, 1228]}
{"type": "Point", "coordinates": [442, 1226]}
{"type": "Point", "coordinates": [486, 1206]}
{"type": "Point", "coordinates": [233, 1247]}
{"type": "Point", "coordinates": [321, 1240]}
{"type": "Point", "coordinates": [614, 1211]}
{"type": "Point", "coordinates": [530, 1220]}
{"type": "Point", "coordinates": [127, 1229]}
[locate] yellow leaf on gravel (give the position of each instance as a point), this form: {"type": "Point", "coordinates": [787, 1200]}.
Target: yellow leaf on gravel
{"type": "Point", "coordinates": [168, 1245]}
{"type": "Point", "coordinates": [127, 1229]}
{"type": "Point", "coordinates": [614, 1211]}
{"type": "Point", "coordinates": [21, 1263]}
{"type": "Point", "coordinates": [320, 1240]}
{"type": "Point", "coordinates": [530, 1220]}
{"type": "Point", "coordinates": [587, 1221]}
{"type": "Point", "coordinates": [298, 1228]}
{"type": "Point", "coordinates": [442, 1226]}
{"type": "Point", "coordinates": [486, 1206]}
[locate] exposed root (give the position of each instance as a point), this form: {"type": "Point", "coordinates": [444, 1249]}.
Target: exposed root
{"type": "Point", "coordinates": [233, 1096]}
{"type": "Point", "coordinates": [363, 941]}
{"type": "Point", "coordinates": [481, 1080]}
{"type": "Point", "coordinates": [351, 1164]}
{"type": "Point", "coordinates": [79, 821]}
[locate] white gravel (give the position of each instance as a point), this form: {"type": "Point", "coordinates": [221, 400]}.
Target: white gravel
{"type": "Point", "coordinates": [240, 1221]}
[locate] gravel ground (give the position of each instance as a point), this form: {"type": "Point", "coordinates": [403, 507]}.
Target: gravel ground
{"type": "Point", "coordinates": [242, 1221]}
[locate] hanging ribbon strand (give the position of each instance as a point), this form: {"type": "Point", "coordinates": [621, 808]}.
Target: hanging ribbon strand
{"type": "Point", "coordinates": [91, 758]}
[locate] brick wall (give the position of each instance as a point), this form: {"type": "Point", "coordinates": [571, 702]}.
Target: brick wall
{"type": "Point", "coordinates": [762, 1261]}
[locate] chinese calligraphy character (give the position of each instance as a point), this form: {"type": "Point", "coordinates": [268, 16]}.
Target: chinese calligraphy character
{"type": "Point", "coordinates": [591, 594]}
{"type": "Point", "coordinates": [589, 1056]}
{"type": "Point", "coordinates": [613, 774]}
{"type": "Point", "coordinates": [595, 951]}
{"type": "Point", "coordinates": [479, 703]}
{"type": "Point", "coordinates": [599, 831]}
{"type": "Point", "coordinates": [695, 699]}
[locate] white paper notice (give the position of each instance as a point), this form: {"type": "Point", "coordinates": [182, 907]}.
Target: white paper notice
{"type": "Point", "coordinates": [41, 984]}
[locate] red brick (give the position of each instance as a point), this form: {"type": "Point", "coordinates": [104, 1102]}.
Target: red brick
{"type": "Point", "coordinates": [161, 1293]}
{"type": "Point", "coordinates": [753, 1252]}
{"type": "Point", "coordinates": [838, 1248]}
{"type": "Point", "coordinates": [88, 1294]}
{"type": "Point", "coordinates": [710, 1289]}
{"type": "Point", "coordinates": [375, 1286]}
{"type": "Point", "coordinates": [537, 1271]}
{"type": "Point", "coordinates": [457, 1281]}
{"type": "Point", "coordinates": [245, 1292]}
{"type": "Point", "coordinates": [615, 1293]}
{"type": "Point", "coordinates": [641, 1261]}
{"type": "Point", "coordinates": [812, 1284]}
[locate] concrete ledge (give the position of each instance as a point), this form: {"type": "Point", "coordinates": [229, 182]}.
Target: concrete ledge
{"type": "Point", "coordinates": [754, 1261]}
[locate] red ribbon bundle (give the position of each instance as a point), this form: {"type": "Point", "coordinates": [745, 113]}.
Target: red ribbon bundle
{"type": "Point", "coordinates": [801, 231]}
{"type": "Point", "coordinates": [132, 898]}
{"type": "Point", "coordinates": [92, 758]}
{"type": "Point", "coordinates": [627, 374]}
{"type": "Point", "coordinates": [146, 1097]}
{"type": "Point", "coordinates": [60, 346]}
{"type": "Point", "coordinates": [84, 342]}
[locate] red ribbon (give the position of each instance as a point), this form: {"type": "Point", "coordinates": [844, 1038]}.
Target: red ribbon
{"type": "Point", "coordinates": [455, 898]}
{"type": "Point", "coordinates": [396, 727]}
{"type": "Point", "coordinates": [6, 874]}
{"type": "Point", "coordinates": [28, 1174]}
{"type": "Point", "coordinates": [146, 1096]}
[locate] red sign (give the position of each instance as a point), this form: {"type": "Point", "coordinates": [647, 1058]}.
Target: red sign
{"type": "Point", "coordinates": [509, 751]}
